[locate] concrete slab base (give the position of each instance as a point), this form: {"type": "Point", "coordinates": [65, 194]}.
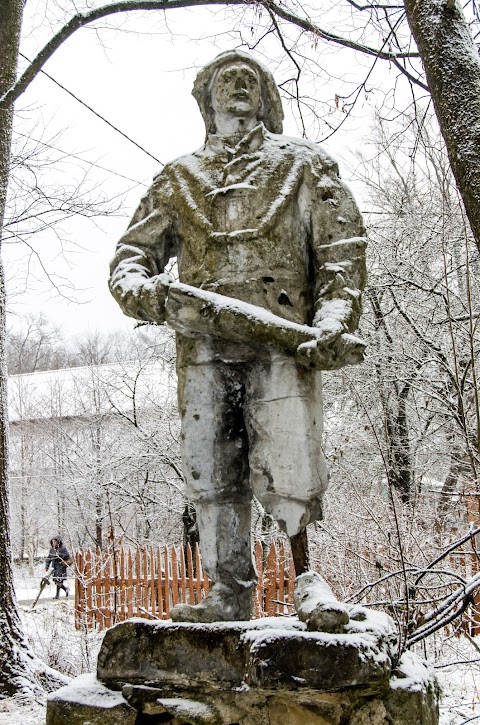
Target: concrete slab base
{"type": "Point", "coordinates": [265, 672]}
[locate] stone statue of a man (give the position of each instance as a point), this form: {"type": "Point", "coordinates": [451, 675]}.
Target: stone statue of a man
{"type": "Point", "coordinates": [264, 222]}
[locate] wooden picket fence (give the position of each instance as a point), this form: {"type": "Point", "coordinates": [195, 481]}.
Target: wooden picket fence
{"type": "Point", "coordinates": [116, 585]}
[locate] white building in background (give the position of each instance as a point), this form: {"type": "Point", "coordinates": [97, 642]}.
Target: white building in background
{"type": "Point", "coordinates": [89, 390]}
{"type": "Point", "coordinates": [94, 455]}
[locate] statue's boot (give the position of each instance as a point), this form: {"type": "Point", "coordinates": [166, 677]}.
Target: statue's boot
{"type": "Point", "coordinates": [221, 604]}
{"type": "Point", "coordinates": [317, 605]}
{"type": "Point", "coordinates": [227, 559]}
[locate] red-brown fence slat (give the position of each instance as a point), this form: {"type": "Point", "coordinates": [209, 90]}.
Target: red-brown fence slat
{"type": "Point", "coordinates": [190, 575]}
{"type": "Point", "coordinates": [159, 586]}
{"type": "Point", "coordinates": [144, 582]}
{"type": "Point", "coordinates": [291, 578]}
{"type": "Point", "coordinates": [174, 562]}
{"type": "Point", "coordinates": [167, 581]}
{"type": "Point", "coordinates": [122, 596]}
{"type": "Point", "coordinates": [129, 589]}
{"type": "Point", "coordinates": [259, 587]}
{"type": "Point", "coordinates": [182, 582]}
{"type": "Point", "coordinates": [198, 576]}
{"type": "Point", "coordinates": [89, 592]}
{"type": "Point", "coordinates": [281, 609]}
{"type": "Point", "coordinates": [151, 601]}
{"type": "Point", "coordinates": [271, 582]}
{"type": "Point", "coordinates": [79, 589]}
{"type": "Point", "coordinates": [108, 602]}
{"type": "Point", "coordinates": [99, 582]}
{"type": "Point", "coordinates": [99, 588]}
{"type": "Point", "coordinates": [137, 582]}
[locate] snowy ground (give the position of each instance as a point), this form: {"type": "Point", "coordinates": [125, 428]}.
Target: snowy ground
{"type": "Point", "coordinates": [460, 681]}
{"type": "Point", "coordinates": [50, 630]}
{"type": "Point", "coordinates": [27, 585]}
{"type": "Point", "coordinates": [52, 635]}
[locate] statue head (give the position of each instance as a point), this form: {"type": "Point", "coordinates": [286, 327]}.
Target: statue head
{"type": "Point", "coordinates": [237, 83]}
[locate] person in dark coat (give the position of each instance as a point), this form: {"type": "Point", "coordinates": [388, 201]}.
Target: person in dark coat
{"type": "Point", "coordinates": [59, 558]}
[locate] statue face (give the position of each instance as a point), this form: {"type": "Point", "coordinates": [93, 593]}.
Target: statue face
{"type": "Point", "coordinates": [236, 91]}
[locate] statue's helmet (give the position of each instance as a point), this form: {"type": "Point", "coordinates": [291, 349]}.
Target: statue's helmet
{"type": "Point", "coordinates": [271, 111]}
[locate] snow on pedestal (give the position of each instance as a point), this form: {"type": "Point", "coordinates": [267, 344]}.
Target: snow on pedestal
{"type": "Point", "coordinates": [86, 700]}
{"type": "Point", "coordinates": [265, 672]}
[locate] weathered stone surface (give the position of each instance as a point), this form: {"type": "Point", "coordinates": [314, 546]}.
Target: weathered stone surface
{"type": "Point", "coordinates": [318, 661]}
{"type": "Point", "coordinates": [190, 311]}
{"type": "Point", "coordinates": [271, 261]}
{"type": "Point", "coordinates": [189, 710]}
{"type": "Point", "coordinates": [221, 604]}
{"type": "Point", "coordinates": [204, 706]}
{"type": "Point", "coordinates": [266, 672]}
{"type": "Point", "coordinates": [414, 693]}
{"type": "Point", "coordinates": [314, 711]}
{"type": "Point", "coordinates": [180, 654]}
{"type": "Point", "coordinates": [373, 713]}
{"type": "Point", "coordinates": [87, 702]}
{"type": "Point", "coordinates": [317, 606]}
{"type": "Point", "coordinates": [267, 653]}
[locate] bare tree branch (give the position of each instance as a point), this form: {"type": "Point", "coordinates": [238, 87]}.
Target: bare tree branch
{"type": "Point", "coordinates": [82, 19]}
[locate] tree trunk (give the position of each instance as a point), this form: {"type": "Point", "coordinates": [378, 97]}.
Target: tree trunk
{"type": "Point", "coordinates": [20, 670]}
{"type": "Point", "coordinates": [399, 458]}
{"type": "Point", "coordinates": [12, 643]}
{"type": "Point", "coordinates": [300, 552]}
{"type": "Point", "coordinates": [99, 503]}
{"type": "Point", "coordinates": [397, 436]}
{"type": "Point", "coordinates": [452, 67]}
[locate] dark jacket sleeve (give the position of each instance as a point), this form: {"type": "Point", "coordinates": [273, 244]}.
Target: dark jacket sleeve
{"type": "Point", "coordinates": [63, 553]}
{"type": "Point", "coordinates": [49, 560]}
{"type": "Point", "coordinates": [59, 563]}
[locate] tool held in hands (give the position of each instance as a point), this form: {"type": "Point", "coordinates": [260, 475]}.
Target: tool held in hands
{"type": "Point", "coordinates": [45, 581]}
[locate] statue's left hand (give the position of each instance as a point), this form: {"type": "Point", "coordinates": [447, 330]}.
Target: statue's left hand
{"type": "Point", "coordinates": [332, 350]}
{"type": "Point", "coordinates": [316, 354]}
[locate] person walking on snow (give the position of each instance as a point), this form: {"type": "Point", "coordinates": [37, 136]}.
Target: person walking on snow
{"type": "Point", "coordinates": [59, 558]}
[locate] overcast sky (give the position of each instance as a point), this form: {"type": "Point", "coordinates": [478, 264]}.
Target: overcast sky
{"type": "Point", "coordinates": [141, 82]}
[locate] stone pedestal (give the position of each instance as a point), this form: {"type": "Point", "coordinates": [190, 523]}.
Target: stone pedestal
{"type": "Point", "coordinates": [266, 672]}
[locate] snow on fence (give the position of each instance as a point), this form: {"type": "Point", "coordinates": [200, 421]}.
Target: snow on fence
{"type": "Point", "coordinates": [116, 585]}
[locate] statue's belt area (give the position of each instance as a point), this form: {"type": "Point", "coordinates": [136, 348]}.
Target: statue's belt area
{"type": "Point", "coordinates": [192, 311]}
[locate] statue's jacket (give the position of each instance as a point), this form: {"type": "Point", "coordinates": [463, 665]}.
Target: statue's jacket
{"type": "Point", "coordinates": [267, 221]}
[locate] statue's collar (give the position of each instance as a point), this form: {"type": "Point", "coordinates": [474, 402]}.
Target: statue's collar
{"type": "Point", "coordinates": [234, 146]}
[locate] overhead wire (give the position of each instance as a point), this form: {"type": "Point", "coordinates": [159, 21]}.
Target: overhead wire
{"type": "Point", "coordinates": [80, 158]}
{"type": "Point", "coordinates": [99, 115]}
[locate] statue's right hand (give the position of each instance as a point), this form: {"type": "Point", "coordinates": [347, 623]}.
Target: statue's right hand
{"type": "Point", "coordinates": [143, 299]}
